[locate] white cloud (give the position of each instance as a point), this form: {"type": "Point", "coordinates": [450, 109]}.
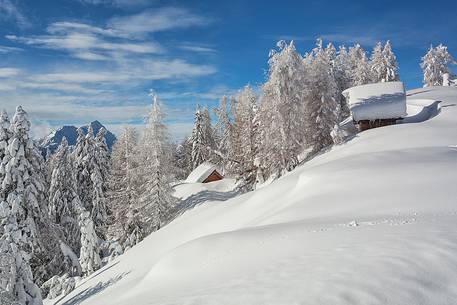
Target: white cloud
{"type": "Point", "coordinates": [175, 68]}
{"type": "Point", "coordinates": [214, 94]}
{"type": "Point", "coordinates": [197, 48]}
{"type": "Point", "coordinates": [78, 77]}
{"type": "Point", "coordinates": [156, 20]}
{"type": "Point", "coordinates": [6, 87]}
{"type": "Point", "coordinates": [146, 48]}
{"type": "Point", "coordinates": [136, 70]}
{"type": "Point", "coordinates": [10, 12]}
{"type": "Point", "coordinates": [58, 86]}
{"type": "Point", "coordinates": [80, 91]}
{"type": "Point", "coordinates": [118, 3]}
{"type": "Point", "coordinates": [68, 27]}
{"type": "Point", "coordinates": [56, 108]}
{"type": "Point", "coordinates": [5, 49]}
{"type": "Point", "coordinates": [87, 45]}
{"type": "Point", "coordinates": [179, 131]}
{"type": "Point", "coordinates": [87, 55]}
{"type": "Point", "coordinates": [40, 128]}
{"type": "Point", "coordinates": [122, 36]}
{"type": "Point", "coordinates": [69, 41]}
{"type": "Point", "coordinates": [9, 72]}
{"type": "Point", "coordinates": [12, 83]}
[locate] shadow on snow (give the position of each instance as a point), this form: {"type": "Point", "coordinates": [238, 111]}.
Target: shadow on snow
{"type": "Point", "coordinates": [91, 291]}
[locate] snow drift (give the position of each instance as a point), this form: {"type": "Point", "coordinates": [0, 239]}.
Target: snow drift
{"type": "Point", "coordinates": [373, 221]}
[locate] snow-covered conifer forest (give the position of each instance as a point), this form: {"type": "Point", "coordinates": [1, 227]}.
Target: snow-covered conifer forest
{"type": "Point", "coordinates": [305, 212]}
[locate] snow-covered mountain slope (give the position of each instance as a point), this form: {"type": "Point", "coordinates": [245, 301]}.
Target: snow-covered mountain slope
{"type": "Point", "coordinates": [52, 141]}
{"type": "Point", "coordinates": [373, 221]}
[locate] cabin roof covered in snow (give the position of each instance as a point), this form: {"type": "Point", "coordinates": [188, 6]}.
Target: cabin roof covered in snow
{"type": "Point", "coordinates": [377, 101]}
{"type": "Point", "coordinates": [201, 172]}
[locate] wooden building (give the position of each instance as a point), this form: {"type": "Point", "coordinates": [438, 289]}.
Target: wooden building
{"type": "Point", "coordinates": [376, 105]}
{"type": "Point", "coordinates": [205, 173]}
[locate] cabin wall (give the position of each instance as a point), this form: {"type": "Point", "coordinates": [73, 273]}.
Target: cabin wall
{"type": "Point", "coordinates": [369, 124]}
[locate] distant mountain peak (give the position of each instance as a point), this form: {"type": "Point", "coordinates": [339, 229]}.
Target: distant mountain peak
{"type": "Point", "coordinates": [52, 141]}
{"type": "Point", "coordinates": [96, 123]}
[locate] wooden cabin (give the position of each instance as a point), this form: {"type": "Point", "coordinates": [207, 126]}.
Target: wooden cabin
{"type": "Point", "coordinates": [376, 105]}
{"type": "Point", "coordinates": [214, 176]}
{"type": "Point", "coordinates": [205, 173]}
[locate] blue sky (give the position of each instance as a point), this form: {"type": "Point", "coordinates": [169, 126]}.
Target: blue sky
{"type": "Point", "coordinates": [73, 61]}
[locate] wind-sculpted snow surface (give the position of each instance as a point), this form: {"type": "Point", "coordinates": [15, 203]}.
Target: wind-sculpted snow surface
{"type": "Point", "coordinates": [373, 221]}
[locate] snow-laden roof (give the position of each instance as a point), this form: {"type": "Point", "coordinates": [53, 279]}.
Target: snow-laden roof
{"type": "Point", "coordinates": [199, 174]}
{"type": "Point", "coordinates": [377, 101]}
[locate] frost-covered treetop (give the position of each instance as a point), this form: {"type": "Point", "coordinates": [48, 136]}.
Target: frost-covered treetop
{"type": "Point", "coordinates": [90, 132]}
{"type": "Point", "coordinates": [101, 135]}
{"type": "Point", "coordinates": [435, 64]}
{"type": "Point", "coordinates": [20, 125]}
{"type": "Point", "coordinates": [4, 125]}
{"type": "Point", "coordinates": [80, 133]}
{"type": "Point", "coordinates": [156, 113]}
{"type": "Point", "coordinates": [64, 143]}
{"type": "Point", "coordinates": [4, 121]}
{"type": "Point", "coordinates": [62, 149]}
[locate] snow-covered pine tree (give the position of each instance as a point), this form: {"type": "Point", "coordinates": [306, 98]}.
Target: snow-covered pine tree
{"type": "Point", "coordinates": [102, 154]}
{"type": "Point", "coordinates": [92, 167]}
{"type": "Point", "coordinates": [155, 165]}
{"type": "Point", "coordinates": [330, 53]}
{"type": "Point", "coordinates": [225, 133]}
{"type": "Point", "coordinates": [435, 64]}
{"type": "Point", "coordinates": [384, 67]}
{"type": "Point", "coordinates": [182, 159]}
{"type": "Point", "coordinates": [91, 163]}
{"type": "Point", "coordinates": [247, 133]}
{"type": "Point", "coordinates": [4, 134]}
{"type": "Point", "coordinates": [22, 207]}
{"type": "Point", "coordinates": [359, 66]}
{"type": "Point", "coordinates": [81, 157]}
{"type": "Point", "coordinates": [46, 259]}
{"type": "Point", "coordinates": [84, 158]}
{"type": "Point", "coordinates": [282, 111]}
{"type": "Point", "coordinates": [123, 190]}
{"type": "Point", "coordinates": [210, 136]}
{"type": "Point", "coordinates": [8, 264]}
{"type": "Point", "coordinates": [89, 257]}
{"type": "Point", "coordinates": [330, 56]}
{"type": "Point", "coordinates": [377, 63]}
{"type": "Point", "coordinates": [343, 78]}
{"type": "Point", "coordinates": [63, 197]}
{"type": "Point", "coordinates": [391, 70]}
{"type": "Point", "coordinates": [202, 139]}
{"type": "Point", "coordinates": [99, 171]}
{"type": "Point", "coordinates": [199, 153]}
{"type": "Point", "coordinates": [16, 280]}
{"type": "Point", "coordinates": [323, 107]}
{"type": "Point", "coordinates": [4, 138]}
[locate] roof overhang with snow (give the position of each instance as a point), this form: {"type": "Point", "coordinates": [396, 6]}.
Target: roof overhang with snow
{"type": "Point", "coordinates": [201, 172]}
{"type": "Point", "coordinates": [377, 101]}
